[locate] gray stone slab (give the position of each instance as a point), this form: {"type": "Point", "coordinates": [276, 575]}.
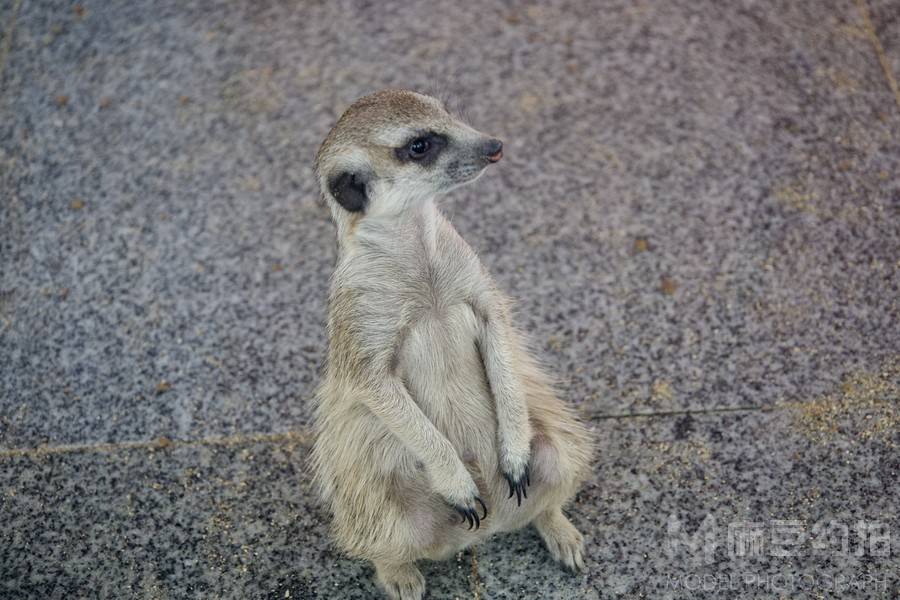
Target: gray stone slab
{"type": "Point", "coordinates": [697, 208]}
{"type": "Point", "coordinates": [236, 518]}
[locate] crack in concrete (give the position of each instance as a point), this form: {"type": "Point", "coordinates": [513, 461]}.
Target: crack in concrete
{"type": "Point", "coordinates": [305, 437]}
{"type": "Point", "coordinates": [863, 6]}
{"type": "Point", "coordinates": [302, 438]}
{"type": "Point", "coordinates": [678, 413]}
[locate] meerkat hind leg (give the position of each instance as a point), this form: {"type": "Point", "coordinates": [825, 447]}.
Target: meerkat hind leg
{"type": "Point", "coordinates": [564, 542]}
{"type": "Point", "coordinates": [400, 582]}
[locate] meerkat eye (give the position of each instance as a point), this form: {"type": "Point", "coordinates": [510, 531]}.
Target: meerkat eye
{"type": "Point", "coordinates": [423, 149]}
{"type": "Point", "coordinates": [418, 148]}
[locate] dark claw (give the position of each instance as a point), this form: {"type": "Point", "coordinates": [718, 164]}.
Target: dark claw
{"type": "Point", "coordinates": [518, 488]}
{"type": "Point", "coordinates": [470, 515]}
{"type": "Point", "coordinates": [481, 502]}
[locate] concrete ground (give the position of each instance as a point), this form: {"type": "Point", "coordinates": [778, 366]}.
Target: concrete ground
{"type": "Point", "coordinates": [698, 212]}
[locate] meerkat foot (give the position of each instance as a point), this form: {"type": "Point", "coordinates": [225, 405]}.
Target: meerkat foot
{"type": "Point", "coordinates": [400, 582]}
{"type": "Point", "coordinates": [564, 542]}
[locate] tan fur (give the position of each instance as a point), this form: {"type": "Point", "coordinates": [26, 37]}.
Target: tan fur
{"type": "Point", "coordinates": [429, 395]}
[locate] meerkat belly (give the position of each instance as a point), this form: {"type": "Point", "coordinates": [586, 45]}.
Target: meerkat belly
{"type": "Point", "coordinates": [442, 368]}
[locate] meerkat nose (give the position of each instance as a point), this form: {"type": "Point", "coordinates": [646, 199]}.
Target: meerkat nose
{"type": "Point", "coordinates": [493, 150]}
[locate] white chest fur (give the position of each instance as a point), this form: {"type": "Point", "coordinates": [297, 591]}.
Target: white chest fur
{"type": "Point", "coordinates": [414, 285]}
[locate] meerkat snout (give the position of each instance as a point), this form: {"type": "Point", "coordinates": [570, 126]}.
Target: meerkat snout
{"type": "Point", "coordinates": [493, 150]}
{"type": "Point", "coordinates": [396, 147]}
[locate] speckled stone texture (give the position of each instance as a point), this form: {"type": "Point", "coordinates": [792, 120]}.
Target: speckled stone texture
{"type": "Point", "coordinates": [698, 212]}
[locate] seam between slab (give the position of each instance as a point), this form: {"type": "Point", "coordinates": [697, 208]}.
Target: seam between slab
{"type": "Point", "coordinates": [303, 438]}
{"type": "Point", "coordinates": [7, 38]}
{"type": "Point", "coordinates": [679, 413]}
{"type": "Point", "coordinates": [863, 6]}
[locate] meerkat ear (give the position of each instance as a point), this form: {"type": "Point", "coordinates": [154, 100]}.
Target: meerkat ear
{"type": "Point", "coordinates": [349, 189]}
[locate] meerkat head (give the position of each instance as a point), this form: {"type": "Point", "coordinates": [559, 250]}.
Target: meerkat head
{"type": "Point", "coordinates": [394, 148]}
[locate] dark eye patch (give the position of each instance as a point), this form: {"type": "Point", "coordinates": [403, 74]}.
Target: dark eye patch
{"type": "Point", "coordinates": [423, 149]}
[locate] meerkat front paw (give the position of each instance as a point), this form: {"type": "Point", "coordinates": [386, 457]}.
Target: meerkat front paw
{"type": "Point", "coordinates": [461, 493]}
{"type": "Point", "coordinates": [515, 469]}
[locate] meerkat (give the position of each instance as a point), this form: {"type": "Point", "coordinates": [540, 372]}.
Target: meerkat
{"type": "Point", "coordinates": [435, 427]}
